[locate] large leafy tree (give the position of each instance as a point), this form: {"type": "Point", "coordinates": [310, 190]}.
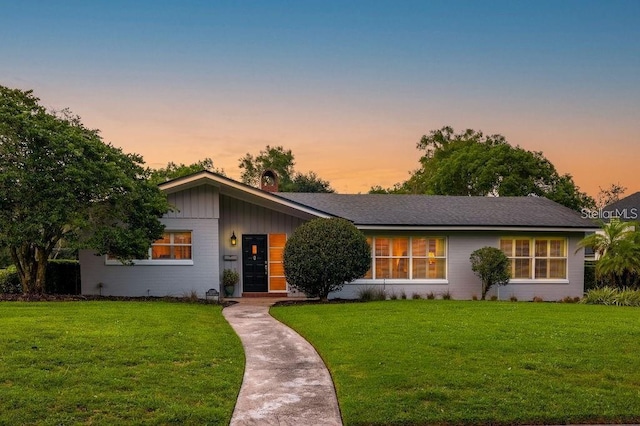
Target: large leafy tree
{"type": "Point", "coordinates": [323, 254]}
{"type": "Point", "coordinates": [281, 161]}
{"type": "Point", "coordinates": [309, 182]}
{"type": "Point", "coordinates": [59, 180]}
{"type": "Point", "coordinates": [276, 158]}
{"type": "Point", "coordinates": [174, 171]}
{"type": "Point", "coordinates": [471, 163]}
{"type": "Point", "coordinates": [609, 195]}
{"type": "Point", "coordinates": [617, 247]}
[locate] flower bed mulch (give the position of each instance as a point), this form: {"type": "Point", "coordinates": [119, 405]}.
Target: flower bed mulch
{"type": "Point", "coordinates": [84, 298]}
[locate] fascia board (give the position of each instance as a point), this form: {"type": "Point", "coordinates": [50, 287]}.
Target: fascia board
{"type": "Point", "coordinates": [471, 228]}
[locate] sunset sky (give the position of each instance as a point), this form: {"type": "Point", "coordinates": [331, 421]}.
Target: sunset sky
{"type": "Point", "coordinates": [348, 86]}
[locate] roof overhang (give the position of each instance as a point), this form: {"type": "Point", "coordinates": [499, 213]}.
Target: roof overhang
{"type": "Point", "coordinates": [242, 192]}
{"type": "Point", "coordinates": [450, 228]}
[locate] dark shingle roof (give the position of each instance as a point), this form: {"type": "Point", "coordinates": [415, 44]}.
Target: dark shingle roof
{"type": "Point", "coordinates": [438, 210]}
{"type": "Point", "coordinates": [626, 209]}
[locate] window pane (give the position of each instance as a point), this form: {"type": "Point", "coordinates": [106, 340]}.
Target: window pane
{"type": "Point", "coordinates": [182, 252]}
{"type": "Point", "coordinates": [436, 247]}
{"type": "Point", "coordinates": [182, 237]}
{"type": "Point", "coordinates": [522, 268]}
{"type": "Point", "coordinates": [166, 239]}
{"type": "Point", "coordinates": [400, 246]}
{"type": "Point", "coordinates": [382, 268]}
{"type": "Point", "coordinates": [382, 247]}
{"type": "Point", "coordinates": [369, 274]}
{"type": "Point", "coordinates": [161, 252]}
{"type": "Point", "coordinates": [277, 283]}
{"type": "Point", "coordinates": [507, 247]}
{"type": "Point", "coordinates": [541, 248]}
{"type": "Point", "coordinates": [557, 248]}
{"type": "Point", "coordinates": [419, 247]}
{"type": "Point", "coordinates": [522, 248]}
{"type": "Point", "coordinates": [419, 268]}
{"type": "Point", "coordinates": [558, 268]}
{"type": "Point", "coordinates": [275, 254]}
{"type": "Point", "coordinates": [437, 268]}
{"type": "Point", "coordinates": [401, 268]}
{"type": "Point", "coordinates": [276, 269]}
{"type": "Point", "coordinates": [541, 268]}
{"type": "Point", "coordinates": [277, 240]}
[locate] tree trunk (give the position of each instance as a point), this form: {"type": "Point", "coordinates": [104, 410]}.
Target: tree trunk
{"type": "Point", "coordinates": [485, 289]}
{"type": "Point", "coordinates": [42, 257]}
{"type": "Point", "coordinates": [31, 266]}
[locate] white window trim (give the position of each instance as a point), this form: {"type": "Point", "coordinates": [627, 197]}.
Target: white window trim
{"type": "Point", "coordinates": [538, 281]}
{"type": "Point", "coordinates": [533, 260]}
{"type": "Point", "coordinates": [157, 262]}
{"type": "Point", "coordinates": [407, 281]}
{"type": "Point", "coordinates": [149, 262]}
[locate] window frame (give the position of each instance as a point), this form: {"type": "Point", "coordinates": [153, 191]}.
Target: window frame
{"type": "Point", "coordinates": [157, 262]}
{"type": "Point", "coordinates": [534, 258]}
{"type": "Point", "coordinates": [408, 259]}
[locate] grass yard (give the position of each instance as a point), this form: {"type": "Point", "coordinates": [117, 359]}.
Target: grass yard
{"type": "Point", "coordinates": [120, 363]}
{"type": "Point", "coordinates": [414, 362]}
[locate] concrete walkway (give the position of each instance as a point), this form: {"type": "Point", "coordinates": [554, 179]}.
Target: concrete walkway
{"type": "Point", "coordinates": [285, 380]}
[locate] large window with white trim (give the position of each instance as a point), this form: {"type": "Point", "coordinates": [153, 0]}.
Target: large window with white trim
{"type": "Point", "coordinates": [412, 258]}
{"type": "Point", "coordinates": [173, 248]}
{"type": "Point", "coordinates": [536, 258]}
{"type": "Point", "coordinates": [175, 245]}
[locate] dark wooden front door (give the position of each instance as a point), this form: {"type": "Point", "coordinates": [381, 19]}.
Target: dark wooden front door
{"type": "Point", "coordinates": [254, 263]}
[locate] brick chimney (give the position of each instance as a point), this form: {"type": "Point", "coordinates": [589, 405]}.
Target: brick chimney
{"type": "Point", "coordinates": [269, 181]}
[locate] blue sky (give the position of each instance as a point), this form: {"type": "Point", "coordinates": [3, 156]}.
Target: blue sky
{"type": "Point", "coordinates": [350, 87]}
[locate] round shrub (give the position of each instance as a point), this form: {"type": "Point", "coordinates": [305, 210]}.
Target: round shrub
{"type": "Point", "coordinates": [492, 266]}
{"type": "Point", "coordinates": [324, 254]}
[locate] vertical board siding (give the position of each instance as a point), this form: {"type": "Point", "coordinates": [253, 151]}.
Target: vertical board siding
{"type": "Point", "coordinates": [193, 203]}
{"type": "Point", "coordinates": [242, 217]}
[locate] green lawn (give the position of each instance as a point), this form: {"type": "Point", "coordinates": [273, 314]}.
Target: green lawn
{"type": "Point", "coordinates": [111, 362]}
{"type": "Point", "coordinates": [449, 362]}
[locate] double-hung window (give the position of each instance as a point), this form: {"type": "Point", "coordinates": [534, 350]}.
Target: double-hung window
{"type": "Point", "coordinates": [536, 258]}
{"type": "Point", "coordinates": [413, 258]}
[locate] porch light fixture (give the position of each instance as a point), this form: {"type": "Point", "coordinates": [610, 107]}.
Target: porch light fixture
{"type": "Point", "coordinates": [234, 239]}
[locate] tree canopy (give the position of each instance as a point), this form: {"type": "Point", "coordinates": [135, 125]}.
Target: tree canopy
{"type": "Point", "coordinates": [281, 161]}
{"type": "Point", "coordinates": [174, 171]}
{"type": "Point", "coordinates": [609, 195]}
{"type": "Point", "coordinates": [59, 180]}
{"type": "Point", "coordinates": [471, 163]}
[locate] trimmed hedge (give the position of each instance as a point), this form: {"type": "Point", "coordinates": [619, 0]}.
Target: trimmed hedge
{"type": "Point", "coordinates": [63, 277]}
